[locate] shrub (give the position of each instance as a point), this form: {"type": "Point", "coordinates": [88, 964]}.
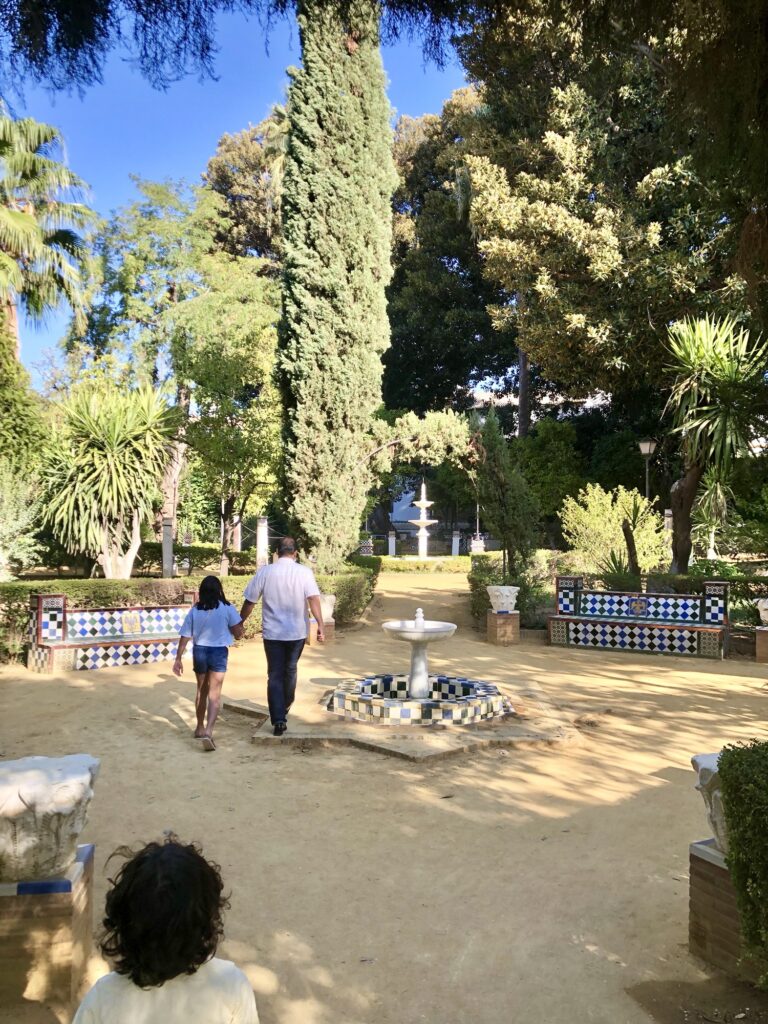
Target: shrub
{"type": "Point", "coordinates": [19, 512]}
{"type": "Point", "coordinates": [592, 521]}
{"type": "Point", "coordinates": [383, 563]}
{"type": "Point", "coordinates": [744, 776]}
{"type": "Point", "coordinates": [531, 601]}
{"type": "Point", "coordinates": [353, 589]}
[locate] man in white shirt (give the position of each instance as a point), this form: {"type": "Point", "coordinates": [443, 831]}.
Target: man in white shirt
{"type": "Point", "coordinates": [284, 587]}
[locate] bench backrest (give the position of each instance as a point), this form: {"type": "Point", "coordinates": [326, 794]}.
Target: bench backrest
{"type": "Point", "coordinates": [708, 608]}
{"type": "Point", "coordinates": [51, 620]}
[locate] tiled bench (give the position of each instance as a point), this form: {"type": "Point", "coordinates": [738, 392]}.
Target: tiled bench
{"type": "Point", "coordinates": [65, 639]}
{"type": "Point", "coordinates": [685, 624]}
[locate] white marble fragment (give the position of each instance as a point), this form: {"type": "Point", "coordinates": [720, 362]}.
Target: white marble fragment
{"type": "Point", "coordinates": [705, 766]}
{"type": "Point", "coordinates": [762, 606]}
{"type": "Point", "coordinates": [503, 599]}
{"type": "Point", "coordinates": [43, 808]}
{"type": "Point", "coordinates": [327, 606]}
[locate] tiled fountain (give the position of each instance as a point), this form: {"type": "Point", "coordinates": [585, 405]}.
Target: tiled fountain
{"type": "Point", "coordinates": [418, 699]}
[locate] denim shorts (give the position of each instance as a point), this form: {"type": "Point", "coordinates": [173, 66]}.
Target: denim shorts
{"type": "Point", "coordinates": [209, 659]}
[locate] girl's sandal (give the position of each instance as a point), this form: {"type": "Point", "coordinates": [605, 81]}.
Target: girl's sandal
{"type": "Point", "coordinates": [208, 743]}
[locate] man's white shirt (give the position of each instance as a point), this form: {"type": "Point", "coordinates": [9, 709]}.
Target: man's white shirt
{"type": "Point", "coordinates": [283, 587]}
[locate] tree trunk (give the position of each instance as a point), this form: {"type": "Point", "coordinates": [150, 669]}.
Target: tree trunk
{"type": "Point", "coordinates": [629, 540]}
{"type": "Point", "coordinates": [228, 522]}
{"type": "Point", "coordinates": [174, 467]}
{"type": "Point", "coordinates": [10, 313]}
{"type": "Point", "coordinates": [523, 394]}
{"type": "Point", "coordinates": [117, 564]}
{"type": "Point", "coordinates": [681, 498]}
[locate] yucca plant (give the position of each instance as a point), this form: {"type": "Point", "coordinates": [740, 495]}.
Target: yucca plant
{"type": "Point", "coordinates": [102, 470]}
{"type": "Point", "coordinates": [718, 403]}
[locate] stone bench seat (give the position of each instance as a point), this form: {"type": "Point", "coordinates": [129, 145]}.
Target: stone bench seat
{"type": "Point", "coordinates": [72, 639]}
{"type": "Point", "coordinates": [680, 624]}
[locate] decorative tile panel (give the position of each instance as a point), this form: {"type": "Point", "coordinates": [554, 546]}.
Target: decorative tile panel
{"type": "Point", "coordinates": [454, 701]}
{"type": "Point", "coordinates": [558, 632]}
{"type": "Point", "coordinates": [111, 655]}
{"type": "Point", "coordinates": [162, 621]}
{"type": "Point", "coordinates": [38, 658]}
{"type": "Point", "coordinates": [566, 602]}
{"type": "Point", "coordinates": [709, 644]}
{"type": "Point", "coordinates": [716, 603]}
{"type": "Point", "coordinates": [632, 636]}
{"type": "Point", "coordinates": [93, 622]}
{"type": "Point", "coordinates": [51, 614]}
{"type": "Point", "coordinates": [674, 607]}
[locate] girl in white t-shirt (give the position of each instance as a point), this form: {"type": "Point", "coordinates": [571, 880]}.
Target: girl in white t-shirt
{"type": "Point", "coordinates": [211, 624]}
{"type": "Point", "coordinates": [163, 923]}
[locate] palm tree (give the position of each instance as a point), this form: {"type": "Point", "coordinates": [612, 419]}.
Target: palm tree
{"type": "Point", "coordinates": [102, 471]}
{"type": "Point", "coordinates": [43, 257]}
{"type": "Point", "coordinates": [719, 404]}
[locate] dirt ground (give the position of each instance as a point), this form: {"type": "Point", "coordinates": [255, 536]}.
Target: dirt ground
{"type": "Point", "coordinates": [544, 884]}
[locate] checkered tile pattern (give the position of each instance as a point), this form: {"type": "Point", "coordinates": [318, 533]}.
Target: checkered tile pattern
{"type": "Point", "coordinates": [38, 658]}
{"type": "Point", "coordinates": [604, 602]}
{"type": "Point", "coordinates": [453, 701]}
{"type": "Point", "coordinates": [162, 621]}
{"type": "Point", "coordinates": [52, 624]}
{"type": "Point", "coordinates": [633, 637]}
{"type": "Point", "coordinates": [110, 655]}
{"type": "Point", "coordinates": [716, 603]}
{"type": "Point", "coordinates": [88, 622]}
{"type": "Point", "coordinates": [674, 608]}
{"type": "Point", "coordinates": [566, 602]}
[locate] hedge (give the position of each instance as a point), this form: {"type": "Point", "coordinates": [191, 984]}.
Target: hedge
{"type": "Point", "coordinates": [195, 558]}
{"type": "Point", "coordinates": [743, 770]}
{"type": "Point", "coordinates": [532, 599]}
{"type": "Point", "coordinates": [384, 563]}
{"type": "Point", "coordinates": [353, 589]}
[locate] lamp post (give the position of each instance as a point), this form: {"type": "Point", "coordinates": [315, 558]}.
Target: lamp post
{"type": "Point", "coordinates": [647, 447]}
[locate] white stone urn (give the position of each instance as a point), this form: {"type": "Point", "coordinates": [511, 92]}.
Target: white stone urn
{"type": "Point", "coordinates": [327, 604]}
{"type": "Point", "coordinates": [762, 606]}
{"type": "Point", "coordinates": [503, 599]}
{"type": "Point", "coordinates": [43, 808]}
{"type": "Point", "coordinates": [705, 766]}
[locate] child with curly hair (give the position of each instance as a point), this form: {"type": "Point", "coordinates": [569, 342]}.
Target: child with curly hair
{"type": "Point", "coordinates": [162, 926]}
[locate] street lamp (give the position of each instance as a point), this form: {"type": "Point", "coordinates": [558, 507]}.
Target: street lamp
{"type": "Point", "coordinates": [647, 447]}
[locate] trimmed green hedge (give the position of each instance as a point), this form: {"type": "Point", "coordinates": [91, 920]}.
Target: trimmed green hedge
{"type": "Point", "coordinates": [743, 772]}
{"type": "Point", "coordinates": [531, 601]}
{"type": "Point", "coordinates": [383, 563]}
{"type": "Point", "coordinates": [201, 558]}
{"type": "Point", "coordinates": [353, 589]}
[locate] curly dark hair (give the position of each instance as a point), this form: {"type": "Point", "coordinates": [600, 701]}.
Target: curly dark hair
{"type": "Point", "coordinates": [163, 912]}
{"type": "Point", "coordinates": [211, 594]}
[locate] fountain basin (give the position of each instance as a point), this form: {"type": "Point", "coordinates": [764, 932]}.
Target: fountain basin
{"type": "Point", "coordinates": [423, 631]}
{"type": "Point", "coordinates": [451, 700]}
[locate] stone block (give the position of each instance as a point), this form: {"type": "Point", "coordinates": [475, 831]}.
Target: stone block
{"type": "Point", "coordinates": [330, 633]}
{"type": "Point", "coordinates": [503, 628]}
{"type": "Point", "coordinates": [761, 643]}
{"type": "Point", "coordinates": [46, 930]}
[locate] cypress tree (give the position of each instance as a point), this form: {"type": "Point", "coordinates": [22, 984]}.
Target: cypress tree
{"type": "Point", "coordinates": [21, 426]}
{"type": "Point", "coordinates": [339, 179]}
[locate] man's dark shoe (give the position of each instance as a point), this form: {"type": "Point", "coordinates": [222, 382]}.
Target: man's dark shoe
{"type": "Point", "coordinates": [279, 729]}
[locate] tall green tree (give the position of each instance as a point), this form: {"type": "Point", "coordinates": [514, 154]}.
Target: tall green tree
{"type": "Point", "coordinates": [43, 252]}
{"type": "Point", "coordinates": [102, 469]}
{"type": "Point", "coordinates": [21, 414]}
{"type": "Point", "coordinates": [509, 509]}
{"type": "Point", "coordinates": [339, 177]}
{"type": "Point", "coordinates": [719, 407]}
{"type": "Point", "coordinates": [226, 356]}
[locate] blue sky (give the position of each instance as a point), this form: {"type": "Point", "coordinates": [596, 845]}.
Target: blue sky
{"type": "Point", "coordinates": [125, 127]}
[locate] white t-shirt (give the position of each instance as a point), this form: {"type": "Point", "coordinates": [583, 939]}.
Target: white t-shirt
{"type": "Point", "coordinates": [217, 993]}
{"type": "Point", "coordinates": [284, 587]}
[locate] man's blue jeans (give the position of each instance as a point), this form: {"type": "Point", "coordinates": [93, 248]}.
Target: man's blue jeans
{"type": "Point", "coordinates": [282, 659]}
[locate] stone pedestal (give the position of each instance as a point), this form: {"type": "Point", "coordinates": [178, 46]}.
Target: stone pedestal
{"type": "Point", "coordinates": [714, 928]}
{"type": "Point", "coordinates": [262, 541]}
{"type": "Point", "coordinates": [392, 544]}
{"type": "Point", "coordinates": [455, 542]}
{"type": "Point", "coordinates": [761, 643]}
{"type": "Point", "coordinates": [330, 633]}
{"type": "Point", "coordinates": [477, 546]}
{"type": "Point", "coordinates": [503, 628]}
{"type": "Point", "coordinates": [46, 932]}
{"type": "Point", "coordinates": [167, 548]}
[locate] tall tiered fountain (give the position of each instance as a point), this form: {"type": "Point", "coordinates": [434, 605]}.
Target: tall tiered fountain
{"type": "Point", "coordinates": [418, 698]}
{"type": "Point", "coordinates": [422, 522]}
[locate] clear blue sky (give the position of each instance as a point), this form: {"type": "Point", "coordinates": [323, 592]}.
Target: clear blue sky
{"type": "Point", "coordinates": [125, 127]}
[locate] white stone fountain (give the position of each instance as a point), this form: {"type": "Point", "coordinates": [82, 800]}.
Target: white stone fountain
{"type": "Point", "coordinates": [419, 633]}
{"type": "Point", "coordinates": [422, 522]}
{"type": "Point", "coordinates": [418, 699]}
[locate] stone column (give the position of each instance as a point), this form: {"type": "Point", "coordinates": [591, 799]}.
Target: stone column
{"type": "Point", "coordinates": [391, 543]}
{"type": "Point", "coordinates": [167, 547]}
{"type": "Point", "coordinates": [47, 880]}
{"type": "Point", "coordinates": [237, 535]}
{"type": "Point", "coordinates": [455, 541]}
{"type": "Point", "coordinates": [262, 541]}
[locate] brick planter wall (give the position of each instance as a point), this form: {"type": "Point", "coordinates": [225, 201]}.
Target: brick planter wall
{"type": "Point", "coordinates": [714, 928]}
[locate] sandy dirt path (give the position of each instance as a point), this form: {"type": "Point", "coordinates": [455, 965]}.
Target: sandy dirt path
{"type": "Point", "coordinates": [548, 885]}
